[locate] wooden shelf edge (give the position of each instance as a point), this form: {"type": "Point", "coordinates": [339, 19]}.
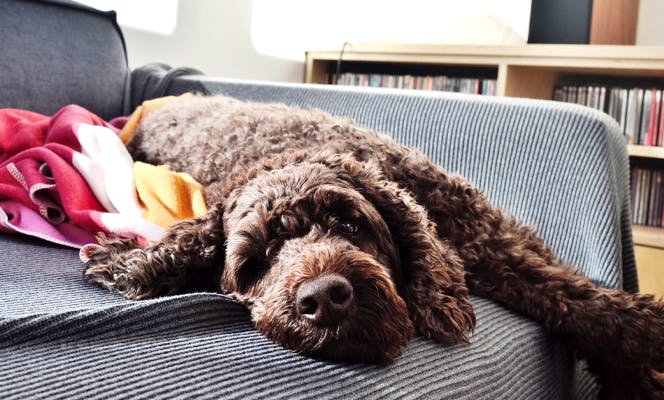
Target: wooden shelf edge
{"type": "Point", "coordinates": [648, 236]}
{"type": "Point", "coordinates": [583, 51]}
{"type": "Point", "coordinates": [607, 59]}
{"type": "Point", "coordinates": [645, 151]}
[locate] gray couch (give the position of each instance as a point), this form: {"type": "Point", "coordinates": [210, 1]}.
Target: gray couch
{"type": "Point", "coordinates": [562, 168]}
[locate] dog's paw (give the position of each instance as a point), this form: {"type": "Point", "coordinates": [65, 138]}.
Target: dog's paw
{"type": "Point", "coordinates": [89, 252]}
{"type": "Point", "coordinates": [119, 266]}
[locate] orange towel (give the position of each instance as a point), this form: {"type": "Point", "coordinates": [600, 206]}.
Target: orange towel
{"type": "Point", "coordinates": [166, 195]}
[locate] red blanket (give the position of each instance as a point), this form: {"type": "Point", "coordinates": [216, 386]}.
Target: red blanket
{"type": "Point", "coordinates": [53, 179]}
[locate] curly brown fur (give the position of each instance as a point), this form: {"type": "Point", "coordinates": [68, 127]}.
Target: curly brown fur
{"type": "Point", "coordinates": [299, 195]}
{"type": "Point", "coordinates": [188, 257]}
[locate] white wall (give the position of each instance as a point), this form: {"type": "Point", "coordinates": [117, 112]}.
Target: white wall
{"type": "Point", "coordinates": [287, 28]}
{"type": "Point", "coordinates": [215, 37]}
{"type": "Point", "coordinates": [649, 24]}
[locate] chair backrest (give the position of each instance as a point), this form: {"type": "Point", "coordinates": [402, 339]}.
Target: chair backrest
{"type": "Point", "coordinates": [54, 53]}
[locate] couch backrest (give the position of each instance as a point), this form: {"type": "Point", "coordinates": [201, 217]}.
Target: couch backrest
{"type": "Point", "coordinates": [54, 53]}
{"type": "Point", "coordinates": [560, 167]}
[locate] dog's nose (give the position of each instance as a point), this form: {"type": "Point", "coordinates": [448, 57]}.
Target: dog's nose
{"type": "Point", "coordinates": [325, 300]}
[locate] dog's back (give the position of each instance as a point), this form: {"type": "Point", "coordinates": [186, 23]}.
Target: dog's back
{"type": "Point", "coordinates": [216, 138]}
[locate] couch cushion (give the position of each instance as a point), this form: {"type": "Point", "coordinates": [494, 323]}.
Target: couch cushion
{"type": "Point", "coordinates": [56, 53]}
{"type": "Point", "coordinates": [62, 337]}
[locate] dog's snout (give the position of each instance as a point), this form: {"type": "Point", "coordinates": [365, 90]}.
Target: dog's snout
{"type": "Point", "coordinates": [325, 300]}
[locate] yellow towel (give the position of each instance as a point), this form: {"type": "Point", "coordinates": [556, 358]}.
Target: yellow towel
{"type": "Point", "coordinates": [166, 195]}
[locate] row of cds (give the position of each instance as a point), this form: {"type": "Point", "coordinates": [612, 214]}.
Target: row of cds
{"type": "Point", "coordinates": [427, 82]}
{"type": "Point", "coordinates": [647, 196]}
{"type": "Point", "coordinates": [637, 110]}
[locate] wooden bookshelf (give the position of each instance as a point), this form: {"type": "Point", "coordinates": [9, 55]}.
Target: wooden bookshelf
{"type": "Point", "coordinates": [530, 71]}
{"type": "Point", "coordinates": [649, 265]}
{"type": "Point", "coordinates": [648, 236]}
{"type": "Point", "coordinates": [522, 71]}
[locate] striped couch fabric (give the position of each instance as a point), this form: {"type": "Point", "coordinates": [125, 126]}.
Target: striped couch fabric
{"type": "Point", "coordinates": [559, 167]}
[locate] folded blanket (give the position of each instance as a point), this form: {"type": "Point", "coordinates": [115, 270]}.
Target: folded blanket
{"type": "Point", "coordinates": [65, 178]}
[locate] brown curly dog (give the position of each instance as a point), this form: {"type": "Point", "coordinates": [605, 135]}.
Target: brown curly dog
{"type": "Point", "coordinates": [344, 244]}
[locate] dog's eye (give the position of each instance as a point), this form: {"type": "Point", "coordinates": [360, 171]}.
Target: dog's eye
{"type": "Point", "coordinates": [348, 227]}
{"type": "Point", "coordinates": [274, 226]}
{"type": "Point", "coordinates": [342, 225]}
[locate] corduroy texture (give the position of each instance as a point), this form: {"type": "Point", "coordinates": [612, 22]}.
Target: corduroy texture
{"type": "Point", "coordinates": [561, 168]}
{"type": "Point", "coordinates": [203, 346]}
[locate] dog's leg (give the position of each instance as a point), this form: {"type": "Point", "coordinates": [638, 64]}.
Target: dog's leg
{"type": "Point", "coordinates": [620, 334]}
{"type": "Point", "coordinates": [615, 331]}
{"type": "Point", "coordinates": [190, 256]}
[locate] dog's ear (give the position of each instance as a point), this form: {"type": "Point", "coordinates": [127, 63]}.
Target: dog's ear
{"type": "Point", "coordinates": [434, 286]}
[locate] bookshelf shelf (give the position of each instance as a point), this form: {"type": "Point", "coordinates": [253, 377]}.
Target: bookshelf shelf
{"type": "Point", "coordinates": [648, 236]}
{"type": "Point", "coordinates": [522, 71]}
{"type": "Point", "coordinates": [531, 71]}
{"type": "Point", "coordinates": [645, 151]}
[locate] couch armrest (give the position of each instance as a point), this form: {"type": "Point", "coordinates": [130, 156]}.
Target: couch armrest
{"type": "Point", "coordinates": [559, 167]}
{"type": "Point", "coordinates": [59, 52]}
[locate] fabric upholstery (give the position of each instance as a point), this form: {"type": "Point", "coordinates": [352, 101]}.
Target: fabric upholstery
{"type": "Point", "coordinates": [154, 80]}
{"type": "Point", "coordinates": [56, 53]}
{"type": "Point", "coordinates": [61, 337]}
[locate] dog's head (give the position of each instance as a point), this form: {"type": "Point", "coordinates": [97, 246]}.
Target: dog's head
{"type": "Point", "coordinates": [334, 260]}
